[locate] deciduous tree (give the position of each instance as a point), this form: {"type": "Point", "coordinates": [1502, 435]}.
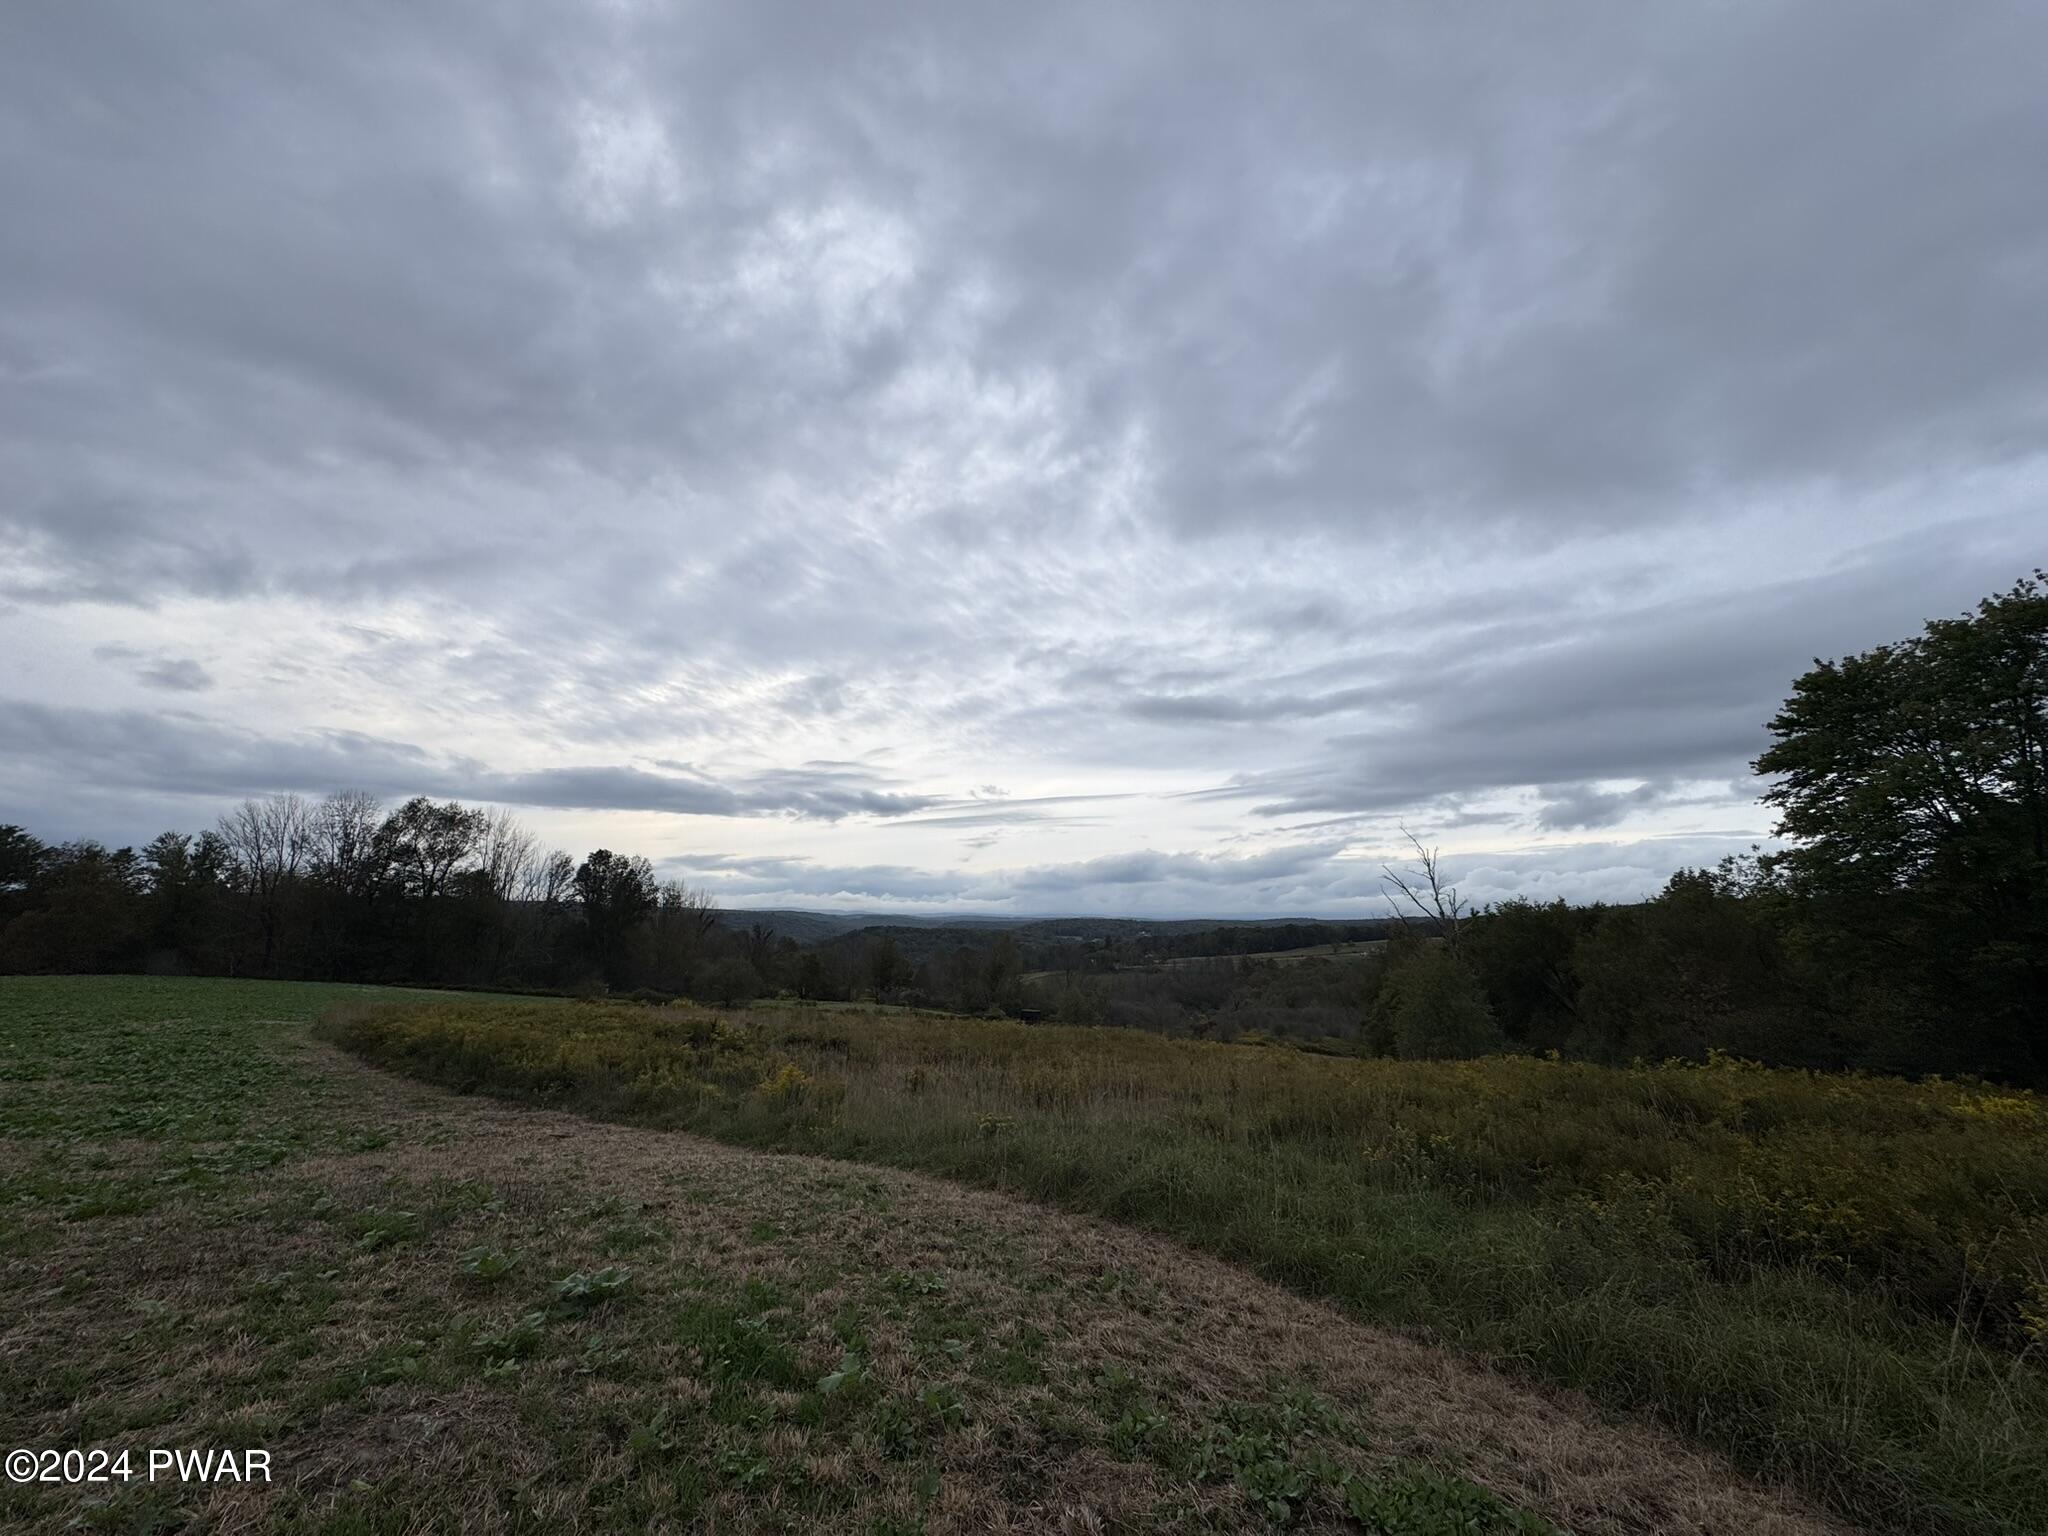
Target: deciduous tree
{"type": "Point", "coordinates": [1911, 781]}
{"type": "Point", "coordinates": [269, 841]}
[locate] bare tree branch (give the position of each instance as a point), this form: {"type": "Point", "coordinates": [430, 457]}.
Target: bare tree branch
{"type": "Point", "coordinates": [270, 840]}
{"type": "Point", "coordinates": [1443, 906]}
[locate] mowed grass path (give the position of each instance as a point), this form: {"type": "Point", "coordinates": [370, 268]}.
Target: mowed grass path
{"type": "Point", "coordinates": [1843, 1281]}
{"type": "Point", "coordinates": [439, 1313]}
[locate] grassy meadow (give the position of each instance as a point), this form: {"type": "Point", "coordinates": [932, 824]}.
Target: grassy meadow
{"type": "Point", "coordinates": [1841, 1281]}
{"type": "Point", "coordinates": [440, 1312]}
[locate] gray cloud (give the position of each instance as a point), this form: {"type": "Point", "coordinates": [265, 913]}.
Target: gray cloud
{"type": "Point", "coordinates": [1269, 706]}
{"type": "Point", "coordinates": [1333, 272]}
{"type": "Point", "coordinates": [183, 754]}
{"type": "Point", "coordinates": [178, 674]}
{"type": "Point", "coordinates": [1677, 690]}
{"type": "Point", "coordinates": [1233, 430]}
{"type": "Point", "coordinates": [1313, 879]}
{"type": "Point", "coordinates": [1580, 807]}
{"type": "Point", "coordinates": [175, 674]}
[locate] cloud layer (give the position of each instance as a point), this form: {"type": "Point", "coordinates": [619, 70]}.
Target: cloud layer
{"type": "Point", "coordinates": [1037, 458]}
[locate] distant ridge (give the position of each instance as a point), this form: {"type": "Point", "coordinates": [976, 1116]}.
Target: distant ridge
{"type": "Point", "coordinates": [807, 927]}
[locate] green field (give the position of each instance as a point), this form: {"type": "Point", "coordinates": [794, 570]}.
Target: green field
{"type": "Point", "coordinates": [441, 1312]}
{"type": "Point", "coordinates": [1349, 949]}
{"type": "Point", "coordinates": [1841, 1281]}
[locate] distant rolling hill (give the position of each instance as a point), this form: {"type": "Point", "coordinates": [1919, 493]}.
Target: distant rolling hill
{"type": "Point", "coordinates": [1042, 940]}
{"type": "Point", "coordinates": [809, 928]}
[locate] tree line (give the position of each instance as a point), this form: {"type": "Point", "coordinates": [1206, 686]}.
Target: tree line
{"type": "Point", "coordinates": [1902, 927]}
{"type": "Point", "coordinates": [439, 893]}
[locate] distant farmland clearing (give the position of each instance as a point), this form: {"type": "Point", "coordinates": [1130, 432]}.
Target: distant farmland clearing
{"type": "Point", "coordinates": [1350, 949]}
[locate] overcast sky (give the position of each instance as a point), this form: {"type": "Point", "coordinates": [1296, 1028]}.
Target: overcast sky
{"type": "Point", "coordinates": [1109, 458]}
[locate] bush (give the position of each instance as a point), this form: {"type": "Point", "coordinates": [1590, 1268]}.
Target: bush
{"type": "Point", "coordinates": [1437, 1010]}
{"type": "Point", "coordinates": [730, 982]}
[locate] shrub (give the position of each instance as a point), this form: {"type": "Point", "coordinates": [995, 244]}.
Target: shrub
{"type": "Point", "coordinates": [787, 1084]}
{"type": "Point", "coordinates": [730, 982]}
{"type": "Point", "coordinates": [1437, 1009]}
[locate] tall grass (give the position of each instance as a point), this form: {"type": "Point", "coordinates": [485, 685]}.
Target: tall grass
{"type": "Point", "coordinates": [1839, 1280]}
